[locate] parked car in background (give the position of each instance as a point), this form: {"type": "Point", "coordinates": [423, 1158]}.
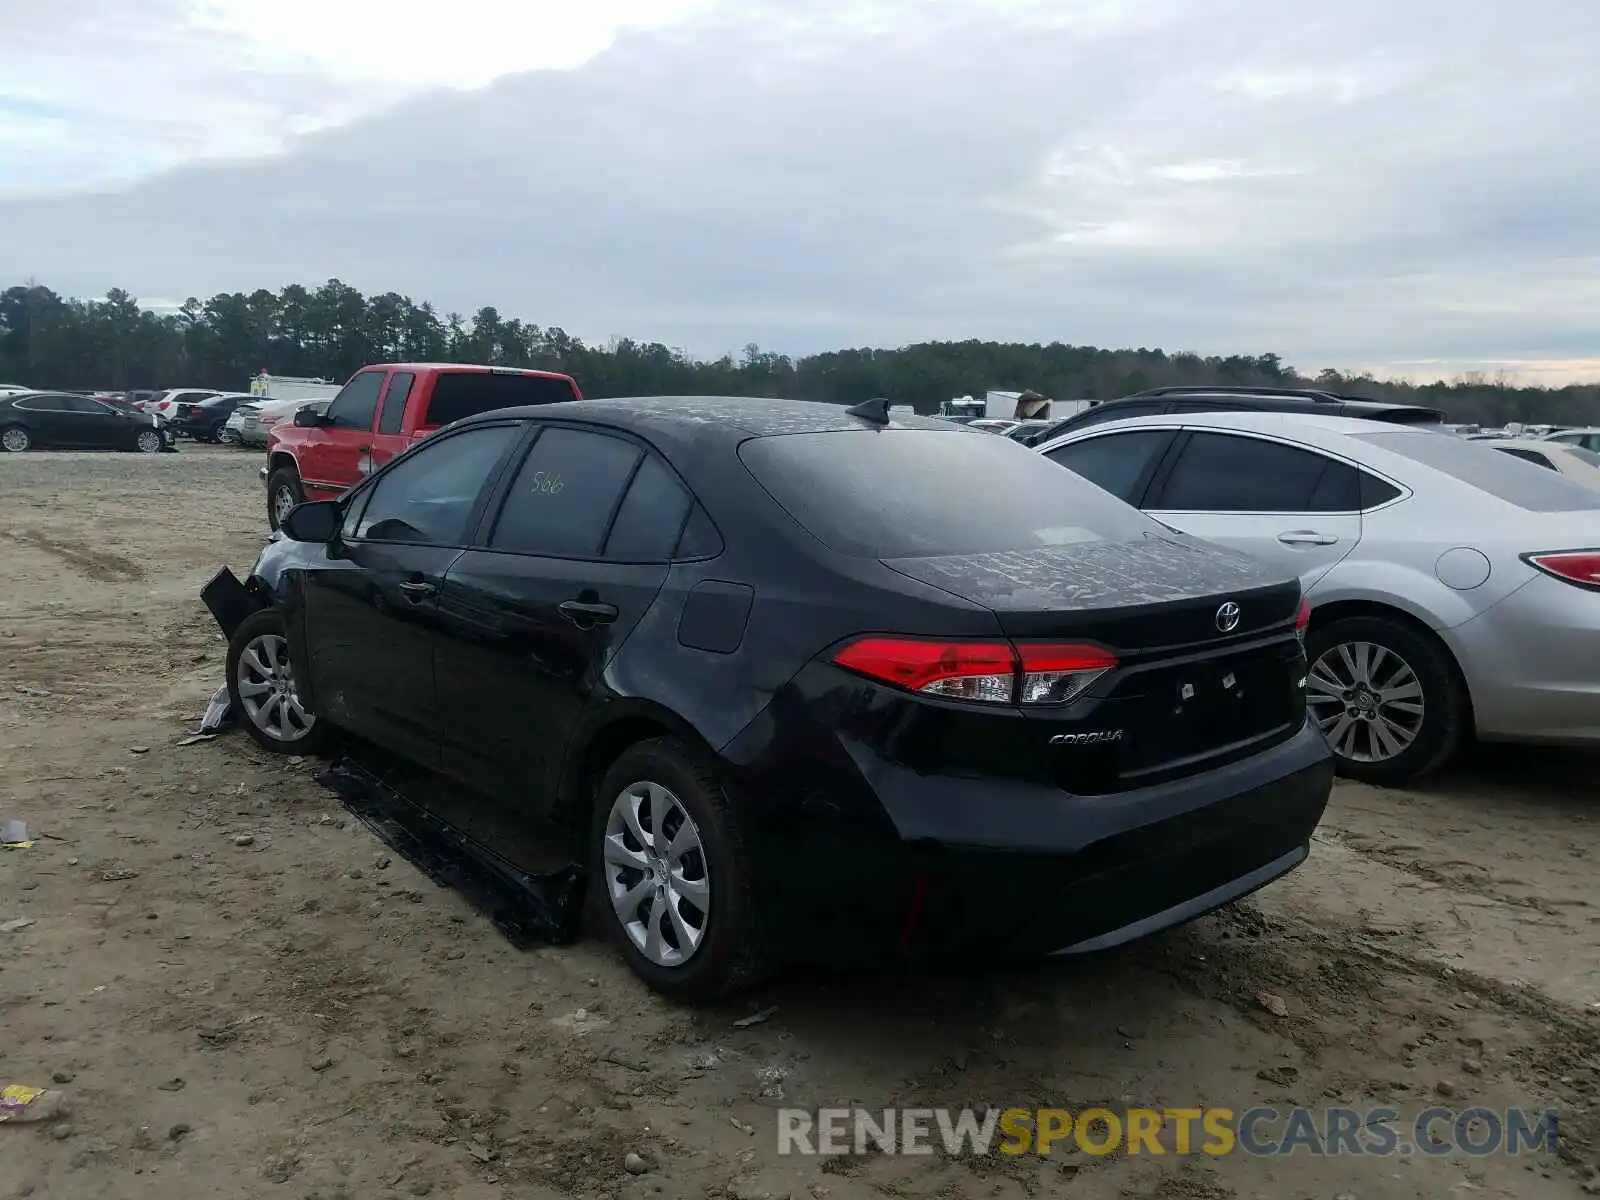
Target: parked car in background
{"type": "Point", "coordinates": [1453, 586]}
{"type": "Point", "coordinates": [12, 389]}
{"type": "Point", "coordinates": [384, 410]}
{"type": "Point", "coordinates": [1183, 400]}
{"type": "Point", "coordinates": [1027, 431]}
{"type": "Point", "coordinates": [203, 420]}
{"type": "Point", "coordinates": [64, 421]}
{"type": "Point", "coordinates": [1572, 461]}
{"type": "Point", "coordinates": [164, 404]}
{"type": "Point", "coordinates": [1587, 437]}
{"type": "Point", "coordinates": [723, 641]}
{"type": "Point", "coordinates": [261, 417]}
{"type": "Point", "coordinates": [992, 424]}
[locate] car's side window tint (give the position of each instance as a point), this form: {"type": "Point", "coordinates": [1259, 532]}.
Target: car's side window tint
{"type": "Point", "coordinates": [562, 499]}
{"type": "Point", "coordinates": [1532, 456]}
{"type": "Point", "coordinates": [355, 405]}
{"type": "Point", "coordinates": [700, 537]}
{"type": "Point", "coordinates": [1117, 462]}
{"type": "Point", "coordinates": [1339, 489]}
{"type": "Point", "coordinates": [1219, 472]}
{"type": "Point", "coordinates": [647, 525]}
{"type": "Point", "coordinates": [428, 497]}
{"type": "Point", "coordinates": [394, 402]}
{"type": "Point", "coordinates": [1375, 491]}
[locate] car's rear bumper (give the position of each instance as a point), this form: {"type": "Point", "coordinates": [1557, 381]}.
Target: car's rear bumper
{"type": "Point", "coordinates": [1532, 664]}
{"type": "Point", "coordinates": [1003, 868]}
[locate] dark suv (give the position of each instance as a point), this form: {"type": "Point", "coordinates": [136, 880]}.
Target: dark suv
{"type": "Point", "coordinates": [1223, 399]}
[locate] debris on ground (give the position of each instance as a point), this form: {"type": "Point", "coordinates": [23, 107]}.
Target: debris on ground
{"type": "Point", "coordinates": [20, 1103]}
{"type": "Point", "coordinates": [1274, 1004]}
{"type": "Point", "coordinates": [13, 925]}
{"type": "Point", "coordinates": [756, 1018]}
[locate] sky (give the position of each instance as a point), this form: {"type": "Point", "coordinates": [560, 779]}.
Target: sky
{"type": "Point", "coordinates": [1407, 189]}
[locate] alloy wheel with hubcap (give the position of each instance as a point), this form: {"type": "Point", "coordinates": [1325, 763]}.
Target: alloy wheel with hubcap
{"type": "Point", "coordinates": [265, 680]}
{"type": "Point", "coordinates": [16, 439]}
{"type": "Point", "coordinates": [148, 441]}
{"type": "Point", "coordinates": [1367, 701]}
{"type": "Point", "coordinates": [656, 874]}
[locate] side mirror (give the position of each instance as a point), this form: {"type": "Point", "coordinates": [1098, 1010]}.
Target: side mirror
{"type": "Point", "coordinates": [313, 521]}
{"type": "Point", "coordinates": [307, 418]}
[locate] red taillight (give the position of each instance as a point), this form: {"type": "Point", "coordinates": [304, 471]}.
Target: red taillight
{"type": "Point", "coordinates": [991, 672]}
{"type": "Point", "coordinates": [1581, 567]}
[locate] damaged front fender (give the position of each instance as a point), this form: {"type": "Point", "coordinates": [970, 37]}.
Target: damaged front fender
{"type": "Point", "coordinates": [231, 602]}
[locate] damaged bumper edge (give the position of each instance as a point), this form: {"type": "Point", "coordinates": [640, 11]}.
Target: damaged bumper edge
{"type": "Point", "coordinates": [230, 601]}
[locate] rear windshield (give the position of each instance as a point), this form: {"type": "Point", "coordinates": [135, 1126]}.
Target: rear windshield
{"type": "Point", "coordinates": [1478, 464]}
{"type": "Point", "coordinates": [465, 394]}
{"type": "Point", "coordinates": [914, 493]}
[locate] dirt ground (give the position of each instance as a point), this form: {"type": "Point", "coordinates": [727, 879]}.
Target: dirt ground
{"type": "Point", "coordinates": [242, 997]}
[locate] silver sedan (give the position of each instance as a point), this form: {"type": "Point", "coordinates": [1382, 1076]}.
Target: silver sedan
{"type": "Point", "coordinates": [1454, 588]}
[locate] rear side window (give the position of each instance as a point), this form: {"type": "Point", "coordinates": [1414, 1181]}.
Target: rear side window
{"type": "Point", "coordinates": [464, 393]}
{"type": "Point", "coordinates": [909, 493]}
{"type": "Point", "coordinates": [562, 499]}
{"type": "Point", "coordinates": [354, 406]}
{"type": "Point", "coordinates": [1118, 462]}
{"type": "Point", "coordinates": [1483, 467]}
{"type": "Point", "coordinates": [44, 404]}
{"type": "Point", "coordinates": [1220, 472]}
{"type": "Point", "coordinates": [394, 402]}
{"type": "Point", "coordinates": [1532, 456]}
{"type": "Point", "coordinates": [651, 516]}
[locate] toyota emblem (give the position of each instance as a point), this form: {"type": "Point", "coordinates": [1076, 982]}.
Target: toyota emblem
{"type": "Point", "coordinates": [1228, 617]}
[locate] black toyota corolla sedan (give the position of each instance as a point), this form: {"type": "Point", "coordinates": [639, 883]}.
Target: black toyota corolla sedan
{"type": "Point", "coordinates": [809, 684]}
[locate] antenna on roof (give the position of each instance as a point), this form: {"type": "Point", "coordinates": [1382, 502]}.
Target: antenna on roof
{"type": "Point", "coordinates": [875, 410]}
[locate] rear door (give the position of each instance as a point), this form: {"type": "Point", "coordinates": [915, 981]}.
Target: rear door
{"type": "Point", "coordinates": [389, 438]}
{"type": "Point", "coordinates": [576, 553]}
{"type": "Point", "coordinates": [338, 454]}
{"type": "Point", "coordinates": [1287, 504]}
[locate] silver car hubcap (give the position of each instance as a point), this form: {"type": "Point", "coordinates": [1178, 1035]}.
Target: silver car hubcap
{"type": "Point", "coordinates": [266, 690]}
{"type": "Point", "coordinates": [1367, 701]}
{"type": "Point", "coordinates": [655, 872]}
{"type": "Point", "coordinates": [15, 440]}
{"type": "Point", "coordinates": [149, 442]}
{"type": "Point", "coordinates": [282, 502]}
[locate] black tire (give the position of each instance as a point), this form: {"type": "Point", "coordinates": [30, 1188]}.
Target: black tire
{"type": "Point", "coordinates": [733, 954]}
{"type": "Point", "coordinates": [1446, 709]}
{"type": "Point", "coordinates": [11, 441]}
{"type": "Point", "coordinates": [285, 480]}
{"type": "Point", "coordinates": [315, 740]}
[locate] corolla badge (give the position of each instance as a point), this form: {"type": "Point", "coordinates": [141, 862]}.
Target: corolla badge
{"type": "Point", "coordinates": [1098, 738]}
{"type": "Point", "coordinates": [1228, 617]}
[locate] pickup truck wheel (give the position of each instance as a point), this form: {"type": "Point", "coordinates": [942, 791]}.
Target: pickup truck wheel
{"type": "Point", "coordinates": [283, 493]}
{"type": "Point", "coordinates": [672, 876]}
{"type": "Point", "coordinates": [261, 689]}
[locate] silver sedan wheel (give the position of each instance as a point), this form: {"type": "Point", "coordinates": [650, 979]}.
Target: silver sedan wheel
{"type": "Point", "coordinates": [282, 501]}
{"type": "Point", "coordinates": [656, 876]}
{"type": "Point", "coordinates": [1367, 701]}
{"type": "Point", "coordinates": [266, 690]}
{"type": "Point", "coordinates": [16, 440]}
{"type": "Point", "coordinates": [148, 441]}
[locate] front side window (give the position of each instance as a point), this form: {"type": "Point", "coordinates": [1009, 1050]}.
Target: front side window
{"type": "Point", "coordinates": [355, 405]}
{"type": "Point", "coordinates": [428, 496]}
{"type": "Point", "coordinates": [1118, 462]}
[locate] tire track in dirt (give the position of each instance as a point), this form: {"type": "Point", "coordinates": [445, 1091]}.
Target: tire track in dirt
{"type": "Point", "coordinates": [101, 566]}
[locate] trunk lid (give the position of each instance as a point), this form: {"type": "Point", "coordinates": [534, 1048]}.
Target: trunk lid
{"type": "Point", "coordinates": [1188, 695]}
{"type": "Point", "coordinates": [1132, 597]}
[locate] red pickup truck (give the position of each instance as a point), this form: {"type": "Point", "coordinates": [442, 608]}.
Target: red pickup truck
{"type": "Point", "coordinates": [380, 412]}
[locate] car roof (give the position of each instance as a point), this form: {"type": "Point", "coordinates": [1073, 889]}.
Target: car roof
{"type": "Point", "coordinates": [1265, 400]}
{"type": "Point", "coordinates": [732, 417]}
{"type": "Point", "coordinates": [1246, 420]}
{"type": "Point", "coordinates": [463, 369]}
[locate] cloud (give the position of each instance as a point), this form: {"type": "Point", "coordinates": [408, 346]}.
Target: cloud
{"type": "Point", "coordinates": [1369, 184]}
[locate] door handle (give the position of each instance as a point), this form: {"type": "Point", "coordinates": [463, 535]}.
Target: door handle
{"type": "Point", "coordinates": [418, 591]}
{"type": "Point", "coordinates": [1307, 537]}
{"type": "Point", "coordinates": [587, 613]}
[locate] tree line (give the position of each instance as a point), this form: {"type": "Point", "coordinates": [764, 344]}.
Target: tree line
{"type": "Point", "coordinates": [51, 341]}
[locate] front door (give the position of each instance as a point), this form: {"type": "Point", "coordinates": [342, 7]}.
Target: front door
{"type": "Point", "coordinates": [337, 454]}
{"type": "Point", "coordinates": [1288, 505]}
{"type": "Point", "coordinates": [372, 614]}
{"type": "Point", "coordinates": [529, 623]}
